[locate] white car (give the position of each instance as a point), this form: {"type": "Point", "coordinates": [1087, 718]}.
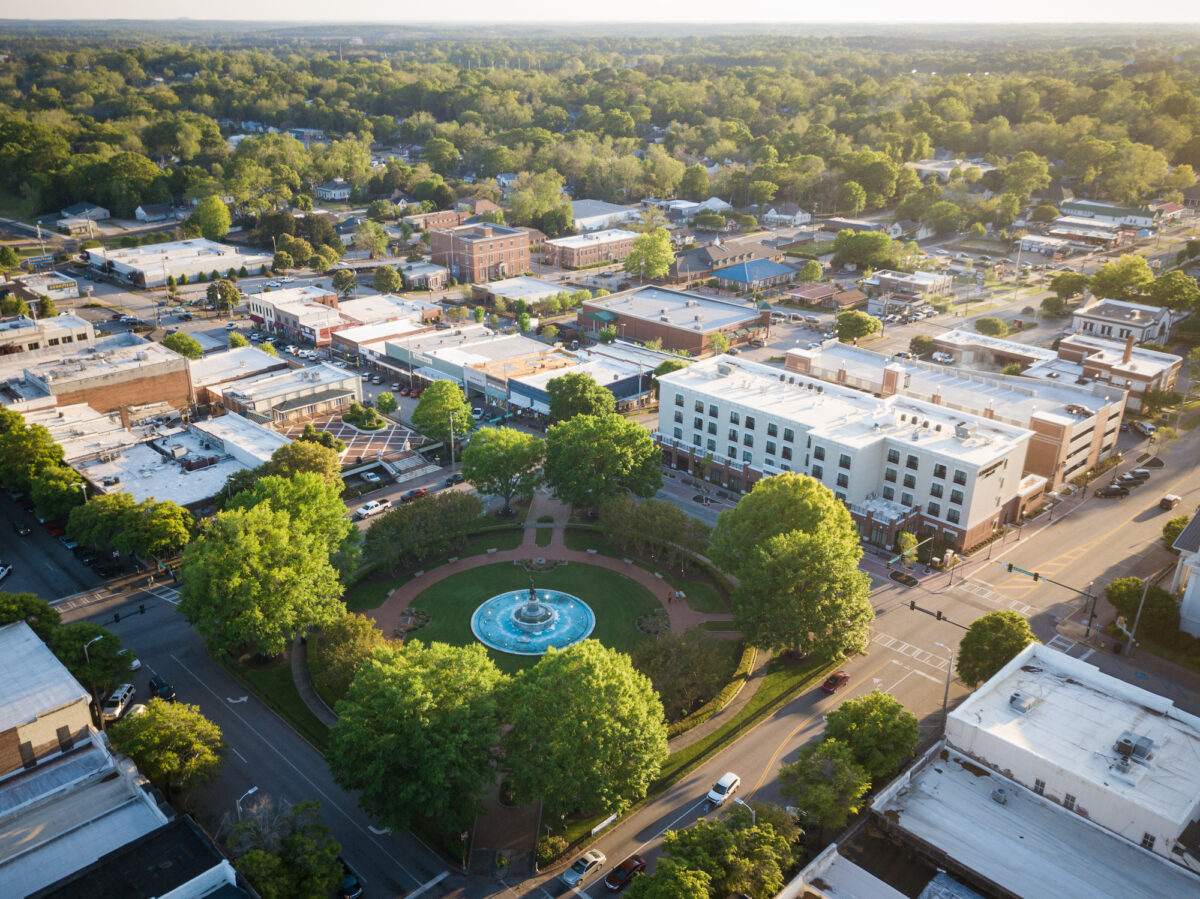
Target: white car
{"type": "Point", "coordinates": [724, 788]}
{"type": "Point", "coordinates": [274, 284]}
{"type": "Point", "coordinates": [5, 570]}
{"type": "Point", "coordinates": [118, 700]}
{"type": "Point", "coordinates": [286, 279]}
{"type": "Point", "coordinates": [584, 867]}
{"type": "Point", "coordinates": [374, 507]}
{"type": "Point", "coordinates": [232, 326]}
{"type": "Point", "coordinates": [371, 478]}
{"type": "Point", "coordinates": [134, 662]}
{"type": "Point", "coordinates": [477, 413]}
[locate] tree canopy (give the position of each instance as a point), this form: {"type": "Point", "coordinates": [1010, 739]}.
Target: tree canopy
{"type": "Point", "coordinates": [852, 324]}
{"type": "Point", "coordinates": [173, 744]}
{"type": "Point", "coordinates": [442, 409]}
{"type": "Point", "coordinates": [504, 462]}
{"type": "Point", "coordinates": [826, 782]}
{"type": "Point", "coordinates": [990, 643]}
{"type": "Point", "coordinates": [879, 731]}
{"type": "Point", "coordinates": [592, 458]}
{"type": "Point", "coordinates": [183, 344]}
{"type": "Point", "coordinates": [577, 393]}
{"type": "Point", "coordinates": [651, 255]}
{"type": "Point", "coordinates": [286, 854]}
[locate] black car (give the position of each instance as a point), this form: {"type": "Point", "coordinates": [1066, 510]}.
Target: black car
{"type": "Point", "coordinates": [21, 529]}
{"type": "Point", "coordinates": [89, 558]}
{"type": "Point", "coordinates": [455, 478]}
{"type": "Point", "coordinates": [351, 887]}
{"type": "Point", "coordinates": [1113, 490]}
{"type": "Point", "coordinates": [160, 688]}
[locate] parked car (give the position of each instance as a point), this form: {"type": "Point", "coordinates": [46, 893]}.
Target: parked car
{"type": "Point", "coordinates": [351, 886]}
{"type": "Point", "coordinates": [232, 326]}
{"type": "Point", "coordinates": [160, 688]}
{"type": "Point", "coordinates": [835, 681]}
{"type": "Point", "coordinates": [1126, 481]}
{"type": "Point", "coordinates": [67, 542]}
{"type": "Point", "coordinates": [621, 876]}
{"type": "Point", "coordinates": [374, 507]}
{"type": "Point", "coordinates": [5, 570]}
{"type": "Point", "coordinates": [455, 478]}
{"type": "Point", "coordinates": [117, 702]}
{"type": "Point", "coordinates": [135, 663]}
{"type": "Point", "coordinates": [376, 379]}
{"type": "Point", "coordinates": [1113, 490]}
{"type": "Point", "coordinates": [1170, 501]}
{"type": "Point", "coordinates": [274, 284]}
{"type": "Point", "coordinates": [584, 867]}
{"type": "Point", "coordinates": [477, 413]}
{"type": "Point", "coordinates": [724, 788]}
{"type": "Point", "coordinates": [1145, 428]}
{"type": "Point", "coordinates": [1140, 475]}
{"type": "Point", "coordinates": [21, 529]}
{"type": "Point", "coordinates": [371, 478]}
{"type": "Point", "coordinates": [416, 493]}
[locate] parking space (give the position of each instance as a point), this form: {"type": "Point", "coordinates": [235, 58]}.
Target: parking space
{"type": "Point", "coordinates": [388, 441]}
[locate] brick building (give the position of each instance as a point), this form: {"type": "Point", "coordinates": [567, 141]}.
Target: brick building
{"type": "Point", "coordinates": [681, 320]}
{"type": "Point", "coordinates": [481, 252]}
{"type": "Point", "coordinates": [436, 221]}
{"type": "Point", "coordinates": [592, 248]}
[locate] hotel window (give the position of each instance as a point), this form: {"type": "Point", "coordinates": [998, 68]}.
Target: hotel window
{"type": "Point", "coordinates": [1069, 802]}
{"type": "Point", "coordinates": [698, 424]}
{"type": "Point", "coordinates": [748, 439]}
{"type": "Point", "coordinates": [960, 476]}
{"type": "Point", "coordinates": [787, 452]}
{"type": "Point", "coordinates": [712, 427]}
{"type": "Point", "coordinates": [934, 509]}
{"type": "Point", "coordinates": [712, 445]}
{"type": "Point", "coordinates": [1039, 786]}
{"type": "Point", "coordinates": [747, 456]}
{"type": "Point", "coordinates": [733, 434]}
{"type": "Point", "coordinates": [678, 417]}
{"type": "Point", "coordinates": [843, 480]}
{"type": "Point", "coordinates": [772, 430]}
{"type": "Point", "coordinates": [819, 453]}
{"type": "Point", "coordinates": [770, 447]}
{"type": "Point", "coordinates": [679, 399]}
{"type": "Point", "coordinates": [906, 499]}
{"type": "Point", "coordinates": [952, 516]}
{"type": "Point", "coordinates": [679, 433]}
{"type": "Point", "coordinates": [939, 470]}
{"type": "Point", "coordinates": [843, 461]}
{"type": "Point", "coordinates": [818, 472]}
{"type": "Point", "coordinates": [889, 493]}
{"type": "Point", "coordinates": [935, 490]}
{"type": "Point", "coordinates": [956, 496]}
{"type": "Point", "coordinates": [735, 418]}
{"type": "Point", "coordinates": [789, 435]}
{"type": "Point", "coordinates": [910, 481]}
{"type": "Point", "coordinates": [712, 410]}
{"type": "Point", "coordinates": [912, 462]}
{"type": "Point", "coordinates": [700, 406]}
{"type": "Point", "coordinates": [1148, 841]}
{"type": "Point", "coordinates": [894, 456]}
{"type": "Point", "coordinates": [838, 495]}
{"type": "Point", "coordinates": [695, 440]}
{"type": "Point", "coordinates": [750, 422]}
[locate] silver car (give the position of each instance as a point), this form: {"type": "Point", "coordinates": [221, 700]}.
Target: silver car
{"type": "Point", "coordinates": [584, 867]}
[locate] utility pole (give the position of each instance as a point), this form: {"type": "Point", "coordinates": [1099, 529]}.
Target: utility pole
{"type": "Point", "coordinates": [946, 695]}
{"type": "Point", "coordinates": [88, 661]}
{"type": "Point", "coordinates": [451, 417]}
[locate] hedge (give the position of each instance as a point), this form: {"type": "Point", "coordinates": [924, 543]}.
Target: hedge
{"type": "Point", "coordinates": [722, 699]}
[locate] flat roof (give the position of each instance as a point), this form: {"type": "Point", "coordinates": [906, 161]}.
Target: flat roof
{"type": "Point", "coordinates": [523, 288]}
{"type": "Point", "coordinates": [495, 348]}
{"type": "Point", "coordinates": [381, 307]}
{"type": "Point", "coordinates": [361, 334]}
{"type": "Point", "coordinates": [1012, 399]}
{"type": "Point", "coordinates": [833, 876]}
{"type": "Point", "coordinates": [845, 415]}
{"type": "Point", "coordinates": [231, 364]}
{"type": "Point", "coordinates": [143, 472]}
{"type": "Point", "coordinates": [33, 681]}
{"type": "Point", "coordinates": [1080, 221]}
{"type": "Point", "coordinates": [1111, 353]}
{"type": "Point", "coordinates": [483, 231]}
{"type": "Point", "coordinates": [1077, 714]}
{"type": "Point", "coordinates": [678, 308]}
{"type": "Point", "coordinates": [282, 383]}
{"type": "Point", "coordinates": [972, 339]}
{"type": "Point", "coordinates": [601, 370]}
{"type": "Point", "coordinates": [588, 209]}
{"type": "Point", "coordinates": [82, 431]}
{"type": "Point", "coordinates": [577, 241]}
{"type": "Point", "coordinates": [1029, 846]}
{"type": "Point", "coordinates": [250, 438]}
{"type": "Point", "coordinates": [152, 257]}
{"type": "Point", "coordinates": [307, 293]}
{"type": "Point", "coordinates": [78, 362]}
{"type": "Point", "coordinates": [1121, 311]}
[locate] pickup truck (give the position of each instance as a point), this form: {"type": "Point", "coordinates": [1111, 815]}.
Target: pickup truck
{"type": "Point", "coordinates": [374, 507]}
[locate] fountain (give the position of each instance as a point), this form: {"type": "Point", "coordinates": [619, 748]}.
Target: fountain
{"type": "Point", "coordinates": [528, 622]}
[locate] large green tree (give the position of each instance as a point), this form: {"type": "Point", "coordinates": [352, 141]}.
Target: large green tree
{"type": "Point", "coordinates": [223, 295]}
{"type": "Point", "coordinates": [102, 665]}
{"type": "Point", "coordinates": [741, 858]}
{"type": "Point", "coordinates": [990, 643]}
{"type": "Point", "coordinates": [852, 324]}
{"type": "Point", "coordinates": [315, 507]}
{"type": "Point", "coordinates": [442, 410]}
{"type": "Point", "coordinates": [504, 462]}
{"type": "Point", "coordinates": [33, 610]}
{"type": "Point", "coordinates": [1175, 290]}
{"type": "Point", "coordinates": [252, 580]}
{"type": "Point", "coordinates": [287, 854]}
{"type": "Point", "coordinates": [577, 393]}
{"type": "Point", "coordinates": [651, 255]}
{"type": "Point", "coordinates": [114, 521]}
{"type": "Point", "coordinates": [344, 645]}
{"type": "Point", "coordinates": [1026, 173]}
{"type": "Point", "coordinates": [1159, 610]}
{"type": "Point", "coordinates": [25, 450]}
{"type": "Point", "coordinates": [184, 344]}
{"type": "Point", "coordinates": [211, 217]}
{"type": "Point", "coordinates": [671, 879]}
{"type": "Point", "coordinates": [1069, 284]}
{"type": "Point", "coordinates": [586, 731]}
{"type": "Point", "coordinates": [592, 458]}
{"type": "Point", "coordinates": [371, 237]}
{"type": "Point", "coordinates": [425, 528]}
{"type": "Point", "coordinates": [55, 491]}
{"type": "Point", "coordinates": [387, 280]}
{"type": "Point", "coordinates": [416, 734]}
{"type": "Point", "coordinates": [826, 782]}
{"type": "Point", "coordinates": [173, 744]}
{"type": "Point", "coordinates": [880, 732]}
{"type": "Point", "coordinates": [1125, 278]}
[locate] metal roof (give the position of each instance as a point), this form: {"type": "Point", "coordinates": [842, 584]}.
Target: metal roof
{"type": "Point", "coordinates": [1188, 540]}
{"type": "Point", "coordinates": [33, 681]}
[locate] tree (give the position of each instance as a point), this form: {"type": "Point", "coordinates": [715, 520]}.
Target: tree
{"type": "Point", "coordinates": [41, 617]}
{"type": "Point", "coordinates": [694, 185]}
{"type": "Point", "coordinates": [371, 237]}
{"type": "Point", "coordinates": [852, 324]}
{"type": "Point", "coordinates": [991, 326]}
{"type": "Point", "coordinates": [46, 307]}
{"type": "Point", "coordinates": [9, 257]}
{"type": "Point", "coordinates": [345, 644]}
{"type": "Point", "coordinates": [577, 393]}
{"type": "Point", "coordinates": [211, 216]}
{"type": "Point", "coordinates": [1044, 214]}
{"type": "Point", "coordinates": [880, 732]}
{"type": "Point", "coordinates": [183, 344]}
{"type": "Point", "coordinates": [1012, 368]}
{"type": "Point", "coordinates": [1170, 532]}
{"type": "Point", "coordinates": [989, 643]}
{"type": "Point", "coordinates": [851, 198]}
{"type": "Point", "coordinates": [550, 332]}
{"type": "Point", "coordinates": [172, 743]}
{"type": "Point", "coordinates": [523, 322]}
{"type": "Point", "coordinates": [1069, 284]}
{"type": "Point", "coordinates": [344, 281]}
{"type": "Point", "coordinates": [651, 255]}
{"type": "Point", "coordinates": [1159, 611]}
{"type": "Point", "coordinates": [289, 854]}
{"type": "Point", "coordinates": [250, 579]}
{"type": "Point", "coordinates": [812, 271]}
{"type": "Point", "coordinates": [1053, 306]}
{"type": "Point", "coordinates": [386, 402]}
{"type": "Point", "coordinates": [315, 507]}
{"type": "Point", "coordinates": [102, 666]}
{"type": "Point", "coordinates": [430, 526]}
{"type": "Point", "coordinates": [55, 491]}
{"type": "Point", "coordinates": [684, 669]}
{"type": "Point", "coordinates": [872, 249]}
{"type": "Point", "coordinates": [504, 462]}
{"type": "Point", "coordinates": [1125, 278]}
{"type": "Point", "coordinates": [1026, 173]}
{"type": "Point", "coordinates": [776, 505]}
{"type": "Point", "coordinates": [826, 782]}
{"type": "Point", "coordinates": [671, 880]}
{"type": "Point", "coordinates": [1175, 290]}
{"type": "Point", "coordinates": [310, 454]}
{"type": "Point", "coordinates": [25, 450]}
{"type": "Point", "coordinates": [237, 340]}
{"type": "Point", "coordinates": [592, 458]}
{"type": "Point", "coordinates": [945, 217]}
{"type": "Point", "coordinates": [282, 261]}
{"type": "Point", "coordinates": [416, 733]}
{"type": "Point", "coordinates": [921, 345]}
{"type": "Point", "coordinates": [387, 280]}
{"type": "Point", "coordinates": [740, 858]}
{"type": "Point", "coordinates": [223, 295]}
{"type": "Point", "coordinates": [442, 412]}
{"type": "Point", "coordinates": [546, 750]}
{"type": "Point", "coordinates": [665, 368]}
{"type": "Point", "coordinates": [719, 343]}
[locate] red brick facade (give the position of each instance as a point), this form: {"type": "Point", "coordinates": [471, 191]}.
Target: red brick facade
{"type": "Point", "coordinates": [480, 252]}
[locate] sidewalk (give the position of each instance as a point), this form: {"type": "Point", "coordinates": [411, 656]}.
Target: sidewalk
{"type": "Point", "coordinates": [304, 685]}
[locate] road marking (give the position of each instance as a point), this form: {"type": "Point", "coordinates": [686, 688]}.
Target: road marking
{"type": "Point", "coordinates": [328, 799]}
{"type": "Point", "coordinates": [379, 832]}
{"type": "Point", "coordinates": [239, 755]}
{"type": "Point", "coordinates": [1086, 655]}
{"type": "Point", "coordinates": [895, 644]}
{"type": "Point", "coordinates": [236, 701]}
{"type": "Point", "coordinates": [681, 816]}
{"type": "Point", "coordinates": [991, 596]}
{"type": "Point", "coordinates": [1061, 643]}
{"type": "Point", "coordinates": [936, 680]}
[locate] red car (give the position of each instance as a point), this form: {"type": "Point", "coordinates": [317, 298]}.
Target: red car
{"type": "Point", "coordinates": [620, 876]}
{"type": "Point", "coordinates": [835, 682]}
{"type": "Point", "coordinates": [413, 494]}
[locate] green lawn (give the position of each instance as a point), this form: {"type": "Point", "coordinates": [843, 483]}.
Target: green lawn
{"type": "Point", "coordinates": [616, 600]}
{"type": "Point", "coordinates": [371, 593]}
{"type": "Point", "coordinates": [497, 540]}
{"type": "Point", "coordinates": [543, 536]}
{"type": "Point", "coordinates": [275, 687]}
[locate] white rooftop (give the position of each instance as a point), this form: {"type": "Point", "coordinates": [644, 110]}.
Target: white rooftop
{"type": "Point", "coordinates": [845, 415]}
{"type": "Point", "coordinates": [1029, 846]}
{"type": "Point", "coordinates": [600, 369]}
{"type": "Point", "coordinates": [282, 383]}
{"type": "Point", "coordinates": [495, 348]}
{"type": "Point", "coordinates": [523, 288]}
{"type": "Point", "coordinates": [143, 472]}
{"type": "Point", "coordinates": [239, 362]}
{"type": "Point", "coordinates": [577, 241]}
{"type": "Point", "coordinates": [833, 876]}
{"type": "Point", "coordinates": [678, 308]}
{"type": "Point", "coordinates": [375, 308]}
{"type": "Point", "coordinates": [973, 339]}
{"type": "Point", "coordinates": [82, 431]}
{"type": "Point", "coordinates": [1076, 715]}
{"type": "Point", "coordinates": [152, 257]}
{"type": "Point", "coordinates": [249, 442]}
{"type": "Point", "coordinates": [32, 679]}
{"type": "Point", "coordinates": [382, 330]}
{"type": "Point", "coordinates": [306, 294]}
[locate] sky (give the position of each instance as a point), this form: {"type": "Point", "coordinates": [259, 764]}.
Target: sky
{"type": "Point", "coordinates": [681, 11]}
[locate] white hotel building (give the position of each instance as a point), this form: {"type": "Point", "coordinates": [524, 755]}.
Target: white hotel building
{"type": "Point", "coordinates": [898, 463]}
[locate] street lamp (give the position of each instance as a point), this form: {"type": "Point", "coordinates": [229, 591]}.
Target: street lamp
{"type": "Point", "coordinates": [946, 695]}
{"type": "Point", "coordinates": [88, 661]}
{"type": "Point", "coordinates": [753, 817]}
{"type": "Point", "coordinates": [238, 801]}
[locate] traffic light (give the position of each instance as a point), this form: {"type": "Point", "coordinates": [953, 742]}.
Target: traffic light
{"type": "Point", "coordinates": [939, 615]}
{"type": "Point", "coordinates": [1010, 567]}
{"type": "Point", "coordinates": [912, 604]}
{"type": "Point", "coordinates": [1036, 576]}
{"type": "Point", "coordinates": [116, 617]}
{"type": "Point", "coordinates": [142, 608]}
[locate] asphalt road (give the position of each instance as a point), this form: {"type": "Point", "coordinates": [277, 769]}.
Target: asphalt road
{"type": "Point", "coordinates": [40, 563]}
{"type": "Point", "coordinates": [264, 752]}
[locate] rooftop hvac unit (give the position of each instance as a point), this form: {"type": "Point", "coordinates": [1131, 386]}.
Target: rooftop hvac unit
{"type": "Point", "coordinates": [1021, 702]}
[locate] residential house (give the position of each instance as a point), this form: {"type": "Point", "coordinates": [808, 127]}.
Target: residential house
{"type": "Point", "coordinates": [337, 189]}
{"type": "Point", "coordinates": [85, 210]}
{"type": "Point", "coordinates": [154, 212]}
{"type": "Point", "coordinates": [756, 274]}
{"type": "Point", "coordinates": [785, 215]}
{"type": "Point", "coordinates": [1191, 197]}
{"type": "Point", "coordinates": [476, 206]}
{"type": "Point", "coordinates": [1187, 576]}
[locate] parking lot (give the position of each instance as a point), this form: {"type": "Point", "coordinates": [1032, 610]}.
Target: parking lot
{"type": "Point", "coordinates": [365, 445]}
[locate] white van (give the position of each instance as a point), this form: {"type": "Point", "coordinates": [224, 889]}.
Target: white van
{"type": "Point", "coordinates": [374, 507]}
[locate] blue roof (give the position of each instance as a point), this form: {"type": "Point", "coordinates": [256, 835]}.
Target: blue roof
{"type": "Point", "coordinates": [754, 270]}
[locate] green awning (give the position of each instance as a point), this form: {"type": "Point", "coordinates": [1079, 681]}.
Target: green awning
{"type": "Point", "coordinates": [763, 304]}
{"type": "Point", "coordinates": [603, 315]}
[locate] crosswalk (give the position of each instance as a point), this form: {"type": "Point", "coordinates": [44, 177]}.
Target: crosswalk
{"type": "Point", "coordinates": [916, 653]}
{"type": "Point", "coordinates": [165, 593]}
{"type": "Point", "coordinates": [982, 590]}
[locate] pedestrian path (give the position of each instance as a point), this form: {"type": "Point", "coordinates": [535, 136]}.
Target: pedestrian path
{"type": "Point", "coordinates": [304, 685]}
